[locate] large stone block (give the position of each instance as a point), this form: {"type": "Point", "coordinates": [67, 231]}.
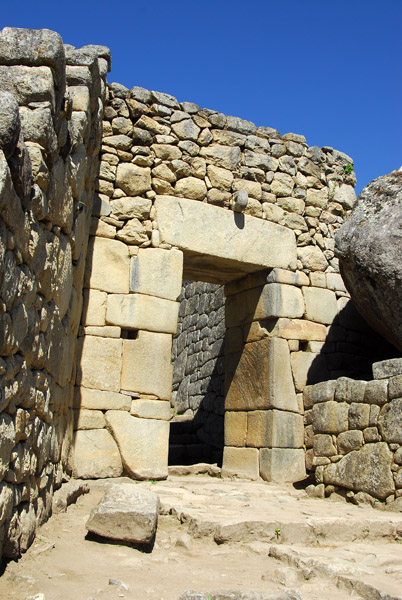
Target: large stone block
{"type": "Point", "coordinates": [321, 305]}
{"type": "Point", "coordinates": [28, 84]}
{"type": "Point", "coordinates": [307, 368]}
{"type": "Point", "coordinates": [235, 428]}
{"type": "Point", "coordinates": [99, 363]}
{"type": "Point", "coordinates": [151, 409]}
{"type": "Point", "coordinates": [274, 429]}
{"type": "Point", "coordinates": [299, 329]}
{"type": "Point", "coordinates": [143, 444]}
{"type": "Point", "coordinates": [100, 400]}
{"type": "Point", "coordinates": [271, 300]}
{"type": "Point", "coordinates": [157, 272]}
{"type": "Point", "coordinates": [226, 239]}
{"type": "Point", "coordinates": [95, 455]}
{"type": "Point", "coordinates": [94, 308]}
{"type": "Point", "coordinates": [240, 462]}
{"type": "Point", "coordinates": [365, 470]}
{"type": "Point", "coordinates": [138, 311]}
{"type": "Point", "coordinates": [108, 266]}
{"type": "Point", "coordinates": [390, 422]}
{"type": "Point", "coordinates": [260, 377]}
{"type": "Point", "coordinates": [147, 366]}
{"type": "Point", "coordinates": [126, 513]}
{"type": "Point", "coordinates": [133, 180]}
{"type": "Point", "coordinates": [89, 419]}
{"type": "Point", "coordinates": [330, 417]}
{"type": "Point", "coordinates": [282, 465]}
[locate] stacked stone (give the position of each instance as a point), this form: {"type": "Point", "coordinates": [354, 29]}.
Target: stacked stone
{"type": "Point", "coordinates": [357, 435]}
{"type": "Point", "coordinates": [198, 362]}
{"type": "Point", "coordinates": [51, 110]}
{"type": "Point", "coordinates": [155, 146]}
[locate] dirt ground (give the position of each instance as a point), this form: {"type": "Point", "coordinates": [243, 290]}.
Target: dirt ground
{"type": "Point", "coordinates": [66, 563]}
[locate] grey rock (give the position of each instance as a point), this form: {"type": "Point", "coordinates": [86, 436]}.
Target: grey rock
{"type": "Point", "coordinates": [119, 90]}
{"type": "Point", "coordinates": [34, 47]}
{"type": "Point", "coordinates": [370, 251]}
{"type": "Point", "coordinates": [387, 368]}
{"type": "Point", "coordinates": [126, 513]}
{"type": "Point", "coordinates": [240, 125]}
{"type": "Point", "coordinates": [9, 123]}
{"type": "Point", "coordinates": [390, 421]}
{"type": "Point", "coordinates": [367, 469]}
{"type": "Point", "coordinates": [141, 94]}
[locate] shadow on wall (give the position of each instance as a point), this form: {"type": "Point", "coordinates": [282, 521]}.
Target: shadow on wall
{"type": "Point", "coordinates": [350, 349]}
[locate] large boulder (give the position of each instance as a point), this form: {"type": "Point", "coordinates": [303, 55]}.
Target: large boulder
{"type": "Point", "coordinates": [369, 246]}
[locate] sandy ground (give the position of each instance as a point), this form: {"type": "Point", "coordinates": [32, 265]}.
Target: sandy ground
{"type": "Point", "coordinates": [67, 563]}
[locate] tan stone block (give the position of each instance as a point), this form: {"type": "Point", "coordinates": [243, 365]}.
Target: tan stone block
{"type": "Point", "coordinates": [235, 428]}
{"type": "Point", "coordinates": [290, 277]}
{"type": "Point", "coordinates": [89, 419]}
{"type": "Point", "coordinates": [260, 377]}
{"type": "Point", "coordinates": [100, 400]}
{"type": "Point", "coordinates": [274, 429]}
{"type": "Point", "coordinates": [138, 311]}
{"type": "Point", "coordinates": [133, 180]}
{"type": "Point", "coordinates": [330, 417]}
{"type": "Point", "coordinates": [321, 306]}
{"type": "Point", "coordinates": [151, 409]}
{"type": "Point", "coordinates": [282, 465]}
{"type": "Point", "coordinates": [143, 444]}
{"type": "Point", "coordinates": [99, 363]}
{"type": "Point", "coordinates": [95, 455]}
{"type": "Point", "coordinates": [107, 331]}
{"type": "Point", "coordinates": [147, 366]}
{"type": "Point", "coordinates": [296, 329]}
{"type": "Point", "coordinates": [191, 187]}
{"type": "Point", "coordinates": [240, 462]}
{"type": "Point", "coordinates": [312, 258]}
{"type": "Point", "coordinates": [256, 242]}
{"type": "Point", "coordinates": [94, 308]}
{"type": "Point", "coordinates": [157, 272]}
{"type": "Point", "coordinates": [220, 178]}
{"type": "Point", "coordinates": [272, 300]}
{"type": "Point", "coordinates": [301, 364]}
{"type": "Point", "coordinates": [108, 266]}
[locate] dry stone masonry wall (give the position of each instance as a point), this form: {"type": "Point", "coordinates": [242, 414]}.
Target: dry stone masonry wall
{"type": "Point", "coordinates": [51, 110]}
{"type": "Point", "coordinates": [357, 435]}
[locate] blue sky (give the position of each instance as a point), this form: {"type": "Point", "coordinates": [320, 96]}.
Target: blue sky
{"type": "Point", "coordinates": [329, 70]}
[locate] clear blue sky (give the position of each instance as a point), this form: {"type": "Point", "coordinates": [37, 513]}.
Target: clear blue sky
{"type": "Point", "coordinates": [329, 70]}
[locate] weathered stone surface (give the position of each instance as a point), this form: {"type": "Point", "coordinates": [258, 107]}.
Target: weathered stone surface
{"type": "Point", "coordinates": [143, 444]}
{"type": "Point", "coordinates": [147, 366]}
{"type": "Point", "coordinates": [349, 440]}
{"type": "Point", "coordinates": [282, 464]}
{"type": "Point", "coordinates": [157, 272]}
{"type": "Point", "coordinates": [370, 253]}
{"type": "Point", "coordinates": [367, 470]}
{"type": "Point", "coordinates": [139, 311]}
{"type": "Point", "coordinates": [260, 377]}
{"type": "Point", "coordinates": [133, 180]}
{"type": "Point", "coordinates": [130, 208]}
{"type": "Point", "coordinates": [106, 256]}
{"type": "Point", "coordinates": [226, 157]}
{"type": "Point", "coordinates": [68, 494]}
{"type": "Point", "coordinates": [99, 363]}
{"type": "Point", "coordinates": [28, 84]}
{"type": "Point", "coordinates": [274, 429]}
{"type": "Point", "coordinates": [330, 417]}
{"type": "Point", "coordinates": [255, 242]}
{"type": "Point", "coordinates": [95, 455]}
{"type": "Point", "coordinates": [94, 308]}
{"type": "Point", "coordinates": [312, 258]}
{"type": "Point", "coordinates": [387, 368]}
{"type": "Point", "coordinates": [151, 409]}
{"type": "Point", "coordinates": [240, 462]}
{"type": "Point", "coordinates": [125, 513]}
{"type": "Point", "coordinates": [307, 368]}
{"type": "Point", "coordinates": [297, 329]}
{"type": "Point", "coordinates": [10, 125]}
{"type": "Point", "coordinates": [321, 305]}
{"type": "Point", "coordinates": [100, 399]}
{"type": "Point", "coordinates": [133, 232]}
{"type": "Point", "coordinates": [235, 428]}
{"type": "Point", "coordinates": [271, 300]}
{"type": "Point", "coordinates": [323, 445]}
{"type": "Point", "coordinates": [220, 178]}
{"type": "Point", "coordinates": [390, 422]}
{"type": "Point", "coordinates": [89, 419]}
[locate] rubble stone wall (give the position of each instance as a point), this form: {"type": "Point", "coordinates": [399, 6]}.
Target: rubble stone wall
{"type": "Point", "coordinates": [51, 110]}
{"type": "Point", "coordinates": [356, 428]}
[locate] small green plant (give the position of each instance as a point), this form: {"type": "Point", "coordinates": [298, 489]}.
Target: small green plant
{"type": "Point", "coordinates": [277, 532]}
{"type": "Point", "coordinates": [348, 169]}
{"type": "Point", "coordinates": [153, 482]}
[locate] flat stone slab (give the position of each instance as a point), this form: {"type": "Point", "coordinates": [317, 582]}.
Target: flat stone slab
{"type": "Point", "coordinates": [126, 513]}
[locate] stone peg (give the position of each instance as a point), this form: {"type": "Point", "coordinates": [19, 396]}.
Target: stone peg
{"type": "Point", "coordinates": [240, 200]}
{"type": "Point", "coordinates": [10, 124]}
{"type": "Point", "coordinates": [126, 513]}
{"type": "Point", "coordinates": [370, 251]}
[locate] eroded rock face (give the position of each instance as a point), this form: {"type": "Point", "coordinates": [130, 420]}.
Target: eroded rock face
{"type": "Point", "coordinates": [369, 246]}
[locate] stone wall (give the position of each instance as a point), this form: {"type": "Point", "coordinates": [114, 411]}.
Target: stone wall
{"type": "Point", "coordinates": [51, 110]}
{"type": "Point", "coordinates": [357, 435]}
